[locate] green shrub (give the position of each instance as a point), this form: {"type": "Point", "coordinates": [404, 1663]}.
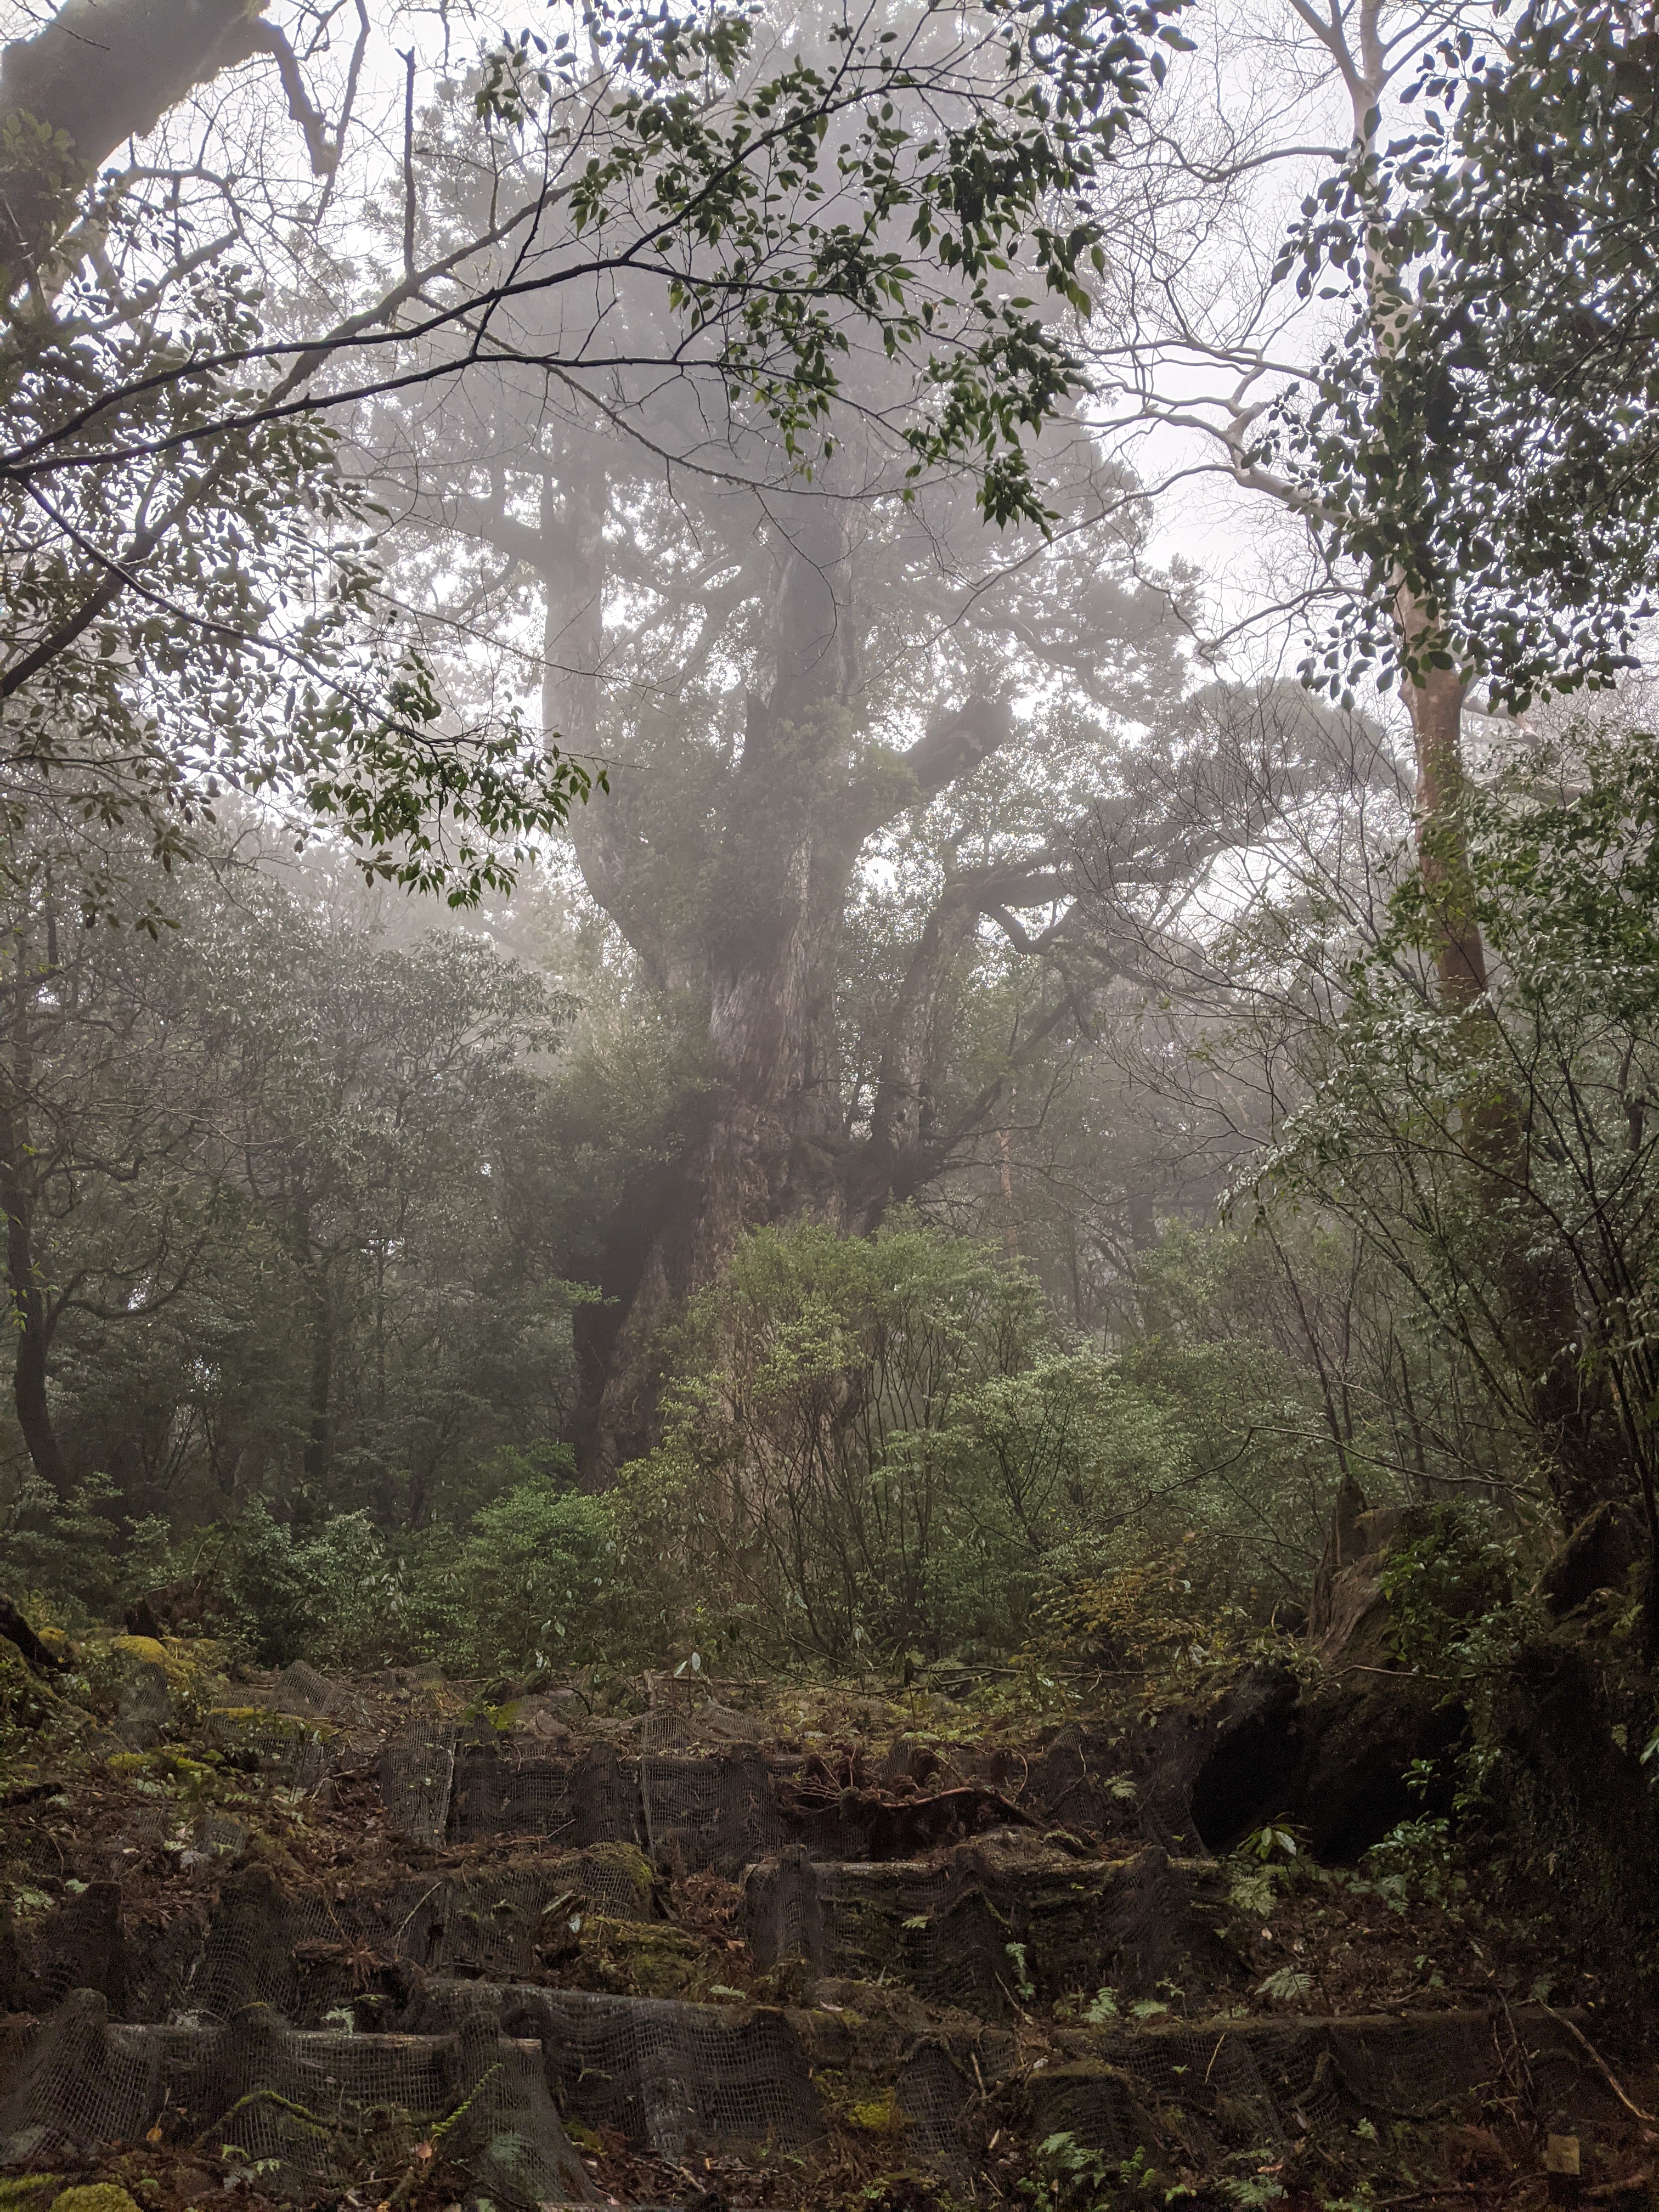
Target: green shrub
{"type": "Point", "coordinates": [1443, 1585]}
{"type": "Point", "coordinates": [71, 1548]}
{"type": "Point", "coordinates": [529, 1584]}
{"type": "Point", "coordinates": [333, 1596]}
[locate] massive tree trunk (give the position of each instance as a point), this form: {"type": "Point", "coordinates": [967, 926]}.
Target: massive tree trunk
{"type": "Point", "coordinates": [753, 954]}
{"type": "Point", "coordinates": [772, 1146]}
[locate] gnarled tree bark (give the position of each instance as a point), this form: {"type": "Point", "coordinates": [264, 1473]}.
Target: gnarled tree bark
{"type": "Point", "coordinates": [100, 72]}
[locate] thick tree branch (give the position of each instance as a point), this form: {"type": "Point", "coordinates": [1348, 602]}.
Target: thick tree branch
{"type": "Point", "coordinates": [323, 151]}
{"type": "Point", "coordinates": [100, 72]}
{"type": "Point", "coordinates": [955, 746]}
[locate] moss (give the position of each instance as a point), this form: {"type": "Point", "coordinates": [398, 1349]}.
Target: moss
{"type": "Point", "coordinates": [183, 1768]}
{"type": "Point", "coordinates": [627, 1859]}
{"type": "Point", "coordinates": [231, 1721]}
{"type": "Point", "coordinates": [261, 1850]}
{"type": "Point", "coordinates": [96, 2195]}
{"type": "Point", "coordinates": [29, 2192]}
{"type": "Point", "coordinates": [647, 1958]}
{"type": "Point", "coordinates": [186, 1669]}
{"type": "Point", "coordinates": [877, 2116]}
{"type": "Point", "coordinates": [873, 2111]}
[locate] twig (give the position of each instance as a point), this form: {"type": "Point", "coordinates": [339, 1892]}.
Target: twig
{"type": "Point", "coordinates": [1578, 2036]}
{"type": "Point", "coordinates": [409, 166]}
{"type": "Point", "coordinates": [265, 2097]}
{"type": "Point", "coordinates": [343, 125]}
{"type": "Point", "coordinates": [415, 1907]}
{"type": "Point", "coordinates": [1398, 1674]}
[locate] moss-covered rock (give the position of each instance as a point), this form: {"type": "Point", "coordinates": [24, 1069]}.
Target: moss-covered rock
{"type": "Point", "coordinates": [645, 1959]}
{"type": "Point", "coordinates": [629, 1860]}
{"type": "Point", "coordinates": [30, 2192]}
{"type": "Point", "coordinates": [95, 2197]}
{"type": "Point", "coordinates": [158, 1686]}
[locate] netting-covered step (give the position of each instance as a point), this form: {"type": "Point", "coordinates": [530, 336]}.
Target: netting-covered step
{"type": "Point", "coordinates": [716, 1811]}
{"type": "Point", "coordinates": [1001, 1922]}
{"type": "Point", "coordinates": [1230, 2085]}
{"type": "Point", "coordinates": [676, 2078]}
{"type": "Point", "coordinates": [321, 2110]}
{"type": "Point", "coordinates": [722, 1809]}
{"type": "Point", "coordinates": [319, 1948]}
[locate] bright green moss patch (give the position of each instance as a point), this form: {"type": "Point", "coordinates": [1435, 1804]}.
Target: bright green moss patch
{"type": "Point", "coordinates": [96, 2197]}
{"type": "Point", "coordinates": [29, 2192]}
{"type": "Point", "coordinates": [877, 2116]}
{"type": "Point", "coordinates": [627, 1859]}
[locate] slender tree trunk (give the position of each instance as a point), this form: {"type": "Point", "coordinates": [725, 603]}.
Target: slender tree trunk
{"type": "Point", "coordinates": [319, 1421]}
{"type": "Point", "coordinates": [320, 1346]}
{"type": "Point", "coordinates": [1540, 1302]}
{"type": "Point", "coordinates": [1435, 704]}
{"type": "Point", "coordinates": [31, 1315]}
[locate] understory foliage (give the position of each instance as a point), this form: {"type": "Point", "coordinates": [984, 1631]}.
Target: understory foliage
{"type": "Point", "coordinates": [884, 1447]}
{"type": "Point", "coordinates": [326, 1370]}
{"type": "Point", "coordinates": [1517, 1142]}
{"type": "Point", "coordinates": [879, 1451]}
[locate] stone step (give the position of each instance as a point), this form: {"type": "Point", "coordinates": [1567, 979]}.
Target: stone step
{"type": "Point", "coordinates": [320, 2110]}
{"type": "Point", "coordinates": [1002, 1923]}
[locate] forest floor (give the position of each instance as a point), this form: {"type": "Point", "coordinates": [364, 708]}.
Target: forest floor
{"type": "Point", "coordinates": [394, 1942]}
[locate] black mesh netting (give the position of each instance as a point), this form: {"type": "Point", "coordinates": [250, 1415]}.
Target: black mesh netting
{"type": "Point", "coordinates": [686, 1809]}
{"type": "Point", "coordinates": [498, 2064]}
{"type": "Point", "coordinates": [1250, 2082]}
{"type": "Point", "coordinates": [312, 1952]}
{"type": "Point", "coordinates": [321, 1948]}
{"type": "Point", "coordinates": [995, 1922]}
{"type": "Point", "coordinates": [673, 2077]}
{"type": "Point", "coordinates": [676, 2078]}
{"type": "Point", "coordinates": [317, 2111]}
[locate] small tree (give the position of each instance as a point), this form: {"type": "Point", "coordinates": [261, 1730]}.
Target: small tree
{"type": "Point", "coordinates": [1565, 875]}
